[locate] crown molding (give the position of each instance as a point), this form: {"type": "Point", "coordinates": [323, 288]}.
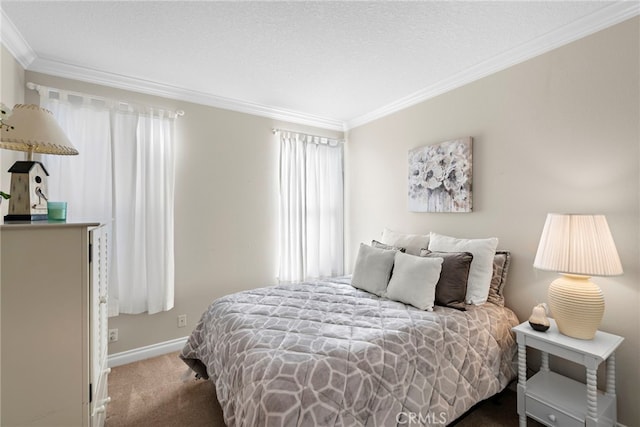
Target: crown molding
{"type": "Point", "coordinates": [75, 72]}
{"type": "Point", "coordinates": [14, 42]}
{"type": "Point", "coordinates": [599, 20]}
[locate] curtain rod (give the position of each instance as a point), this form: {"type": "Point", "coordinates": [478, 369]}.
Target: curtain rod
{"type": "Point", "coordinates": [38, 88]}
{"type": "Point", "coordinates": [277, 130]}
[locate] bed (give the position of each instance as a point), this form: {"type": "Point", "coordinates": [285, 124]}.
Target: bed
{"type": "Point", "coordinates": [324, 353]}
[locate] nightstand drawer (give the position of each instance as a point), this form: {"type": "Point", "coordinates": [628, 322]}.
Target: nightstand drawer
{"type": "Point", "coordinates": [550, 416]}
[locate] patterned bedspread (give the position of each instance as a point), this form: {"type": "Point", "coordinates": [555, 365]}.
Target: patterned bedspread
{"type": "Point", "coordinates": [326, 354]}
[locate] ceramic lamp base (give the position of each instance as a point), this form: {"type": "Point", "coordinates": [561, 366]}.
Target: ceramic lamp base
{"type": "Point", "coordinates": [577, 305]}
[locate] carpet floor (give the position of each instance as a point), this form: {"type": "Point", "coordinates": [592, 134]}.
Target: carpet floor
{"type": "Point", "coordinates": [151, 393]}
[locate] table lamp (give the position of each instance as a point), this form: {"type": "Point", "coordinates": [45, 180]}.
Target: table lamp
{"type": "Point", "coordinates": [34, 130]}
{"type": "Point", "coordinates": [578, 247]}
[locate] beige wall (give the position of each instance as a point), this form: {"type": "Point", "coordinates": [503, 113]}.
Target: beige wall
{"type": "Point", "coordinates": [11, 92]}
{"type": "Point", "coordinates": [226, 208]}
{"type": "Point", "coordinates": [11, 79]}
{"type": "Point", "coordinates": [558, 133]}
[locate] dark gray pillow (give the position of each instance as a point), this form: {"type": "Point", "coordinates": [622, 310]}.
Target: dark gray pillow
{"type": "Point", "coordinates": [451, 288]}
{"type": "Point", "coordinates": [373, 269]}
{"type": "Point", "coordinates": [501, 262]}
{"type": "Point", "coordinates": [380, 245]}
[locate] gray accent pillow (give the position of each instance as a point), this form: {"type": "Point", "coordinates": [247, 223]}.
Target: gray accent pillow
{"type": "Point", "coordinates": [501, 262]}
{"type": "Point", "coordinates": [414, 280]}
{"type": "Point", "coordinates": [380, 245]}
{"type": "Point", "coordinates": [451, 288]}
{"type": "Point", "coordinates": [481, 270]}
{"type": "Point", "coordinates": [373, 269]}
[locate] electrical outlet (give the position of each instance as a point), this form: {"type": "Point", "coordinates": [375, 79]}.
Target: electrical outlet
{"type": "Point", "coordinates": [182, 321]}
{"type": "Point", "coordinates": [113, 335]}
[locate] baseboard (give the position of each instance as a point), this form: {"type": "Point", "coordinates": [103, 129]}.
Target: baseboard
{"type": "Point", "coordinates": [146, 352]}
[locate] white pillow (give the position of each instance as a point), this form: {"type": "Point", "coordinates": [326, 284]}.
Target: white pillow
{"type": "Point", "coordinates": [411, 242]}
{"type": "Point", "coordinates": [414, 280]}
{"type": "Point", "coordinates": [481, 270]}
{"type": "Point", "coordinates": [373, 269]}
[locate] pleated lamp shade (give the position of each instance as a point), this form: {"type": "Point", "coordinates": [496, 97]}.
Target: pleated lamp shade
{"type": "Point", "coordinates": [577, 246]}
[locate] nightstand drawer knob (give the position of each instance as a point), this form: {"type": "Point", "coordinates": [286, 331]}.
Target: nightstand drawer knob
{"type": "Point", "coordinates": [552, 418]}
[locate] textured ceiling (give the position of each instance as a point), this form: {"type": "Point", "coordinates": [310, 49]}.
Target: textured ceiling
{"type": "Point", "coordinates": [338, 61]}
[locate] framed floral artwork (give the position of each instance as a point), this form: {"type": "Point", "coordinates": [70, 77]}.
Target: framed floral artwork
{"type": "Point", "coordinates": [440, 177]}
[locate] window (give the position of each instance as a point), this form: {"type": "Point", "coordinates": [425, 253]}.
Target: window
{"type": "Point", "coordinates": [311, 207]}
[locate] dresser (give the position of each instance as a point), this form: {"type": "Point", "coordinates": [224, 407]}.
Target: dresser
{"type": "Point", "coordinates": [54, 328]}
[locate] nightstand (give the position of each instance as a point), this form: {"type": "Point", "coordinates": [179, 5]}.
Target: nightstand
{"type": "Point", "coordinates": [556, 400]}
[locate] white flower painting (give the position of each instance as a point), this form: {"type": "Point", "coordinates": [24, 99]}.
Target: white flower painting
{"type": "Point", "coordinates": [440, 177]}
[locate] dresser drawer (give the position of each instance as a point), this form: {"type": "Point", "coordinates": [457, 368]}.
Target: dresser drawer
{"type": "Point", "coordinates": [550, 416]}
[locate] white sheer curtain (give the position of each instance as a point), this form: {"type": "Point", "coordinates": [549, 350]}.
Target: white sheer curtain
{"type": "Point", "coordinates": [124, 175]}
{"type": "Point", "coordinates": [143, 163]}
{"type": "Point", "coordinates": [311, 207]}
{"type": "Point", "coordinates": [83, 181]}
